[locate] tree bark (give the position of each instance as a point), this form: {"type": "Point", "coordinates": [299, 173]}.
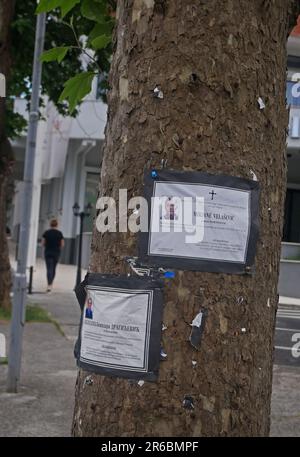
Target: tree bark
{"type": "Point", "coordinates": [6, 153]}
{"type": "Point", "coordinates": [212, 60]}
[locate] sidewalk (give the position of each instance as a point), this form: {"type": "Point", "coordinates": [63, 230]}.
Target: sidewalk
{"type": "Point", "coordinates": [45, 402]}
{"type": "Point", "coordinates": [285, 413]}
{"type": "Point", "coordinates": [61, 303]}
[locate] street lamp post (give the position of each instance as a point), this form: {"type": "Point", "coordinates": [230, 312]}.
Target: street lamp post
{"type": "Point", "coordinates": [20, 286]}
{"type": "Point", "coordinates": [81, 215]}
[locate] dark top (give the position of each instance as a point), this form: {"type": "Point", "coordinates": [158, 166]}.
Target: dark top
{"type": "Point", "coordinates": [53, 239]}
{"type": "Point", "coordinates": [88, 313]}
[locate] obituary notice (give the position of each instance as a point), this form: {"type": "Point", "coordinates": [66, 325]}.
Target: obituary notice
{"type": "Point", "coordinates": [115, 329]}
{"type": "Point", "coordinates": [225, 218]}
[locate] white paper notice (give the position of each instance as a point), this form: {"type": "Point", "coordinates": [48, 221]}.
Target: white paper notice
{"type": "Point", "coordinates": [116, 328]}
{"type": "Point", "coordinates": [225, 220]}
{"type": "Point", "coordinates": [198, 320]}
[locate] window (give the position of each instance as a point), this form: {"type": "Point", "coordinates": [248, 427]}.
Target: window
{"type": "Point", "coordinates": [291, 230]}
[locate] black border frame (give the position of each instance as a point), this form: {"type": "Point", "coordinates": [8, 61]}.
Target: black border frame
{"type": "Point", "coordinates": [129, 283]}
{"type": "Point", "coordinates": [196, 177]}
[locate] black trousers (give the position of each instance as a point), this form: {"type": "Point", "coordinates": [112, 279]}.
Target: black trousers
{"type": "Point", "coordinates": [51, 259]}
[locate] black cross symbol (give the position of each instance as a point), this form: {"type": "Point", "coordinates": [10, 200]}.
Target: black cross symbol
{"type": "Point", "coordinates": [212, 194]}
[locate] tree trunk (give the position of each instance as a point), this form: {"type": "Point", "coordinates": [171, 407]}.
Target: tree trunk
{"type": "Point", "coordinates": [212, 61]}
{"type": "Point", "coordinates": [6, 155]}
{"type": "Point", "coordinates": [5, 274]}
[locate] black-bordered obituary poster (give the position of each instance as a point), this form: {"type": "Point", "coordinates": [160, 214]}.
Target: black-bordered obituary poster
{"type": "Point", "coordinates": [199, 221]}
{"type": "Point", "coordinates": [120, 328]}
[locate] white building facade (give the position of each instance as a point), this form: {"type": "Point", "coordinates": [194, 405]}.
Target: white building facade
{"type": "Point", "coordinates": [67, 171]}
{"type": "Point", "coordinates": [292, 207]}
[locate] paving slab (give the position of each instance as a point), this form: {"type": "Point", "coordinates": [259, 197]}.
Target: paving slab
{"type": "Point", "coordinates": [45, 401]}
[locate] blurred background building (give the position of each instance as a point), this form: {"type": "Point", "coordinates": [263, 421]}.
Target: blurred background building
{"type": "Point", "coordinates": [290, 253]}
{"type": "Point", "coordinates": [67, 170]}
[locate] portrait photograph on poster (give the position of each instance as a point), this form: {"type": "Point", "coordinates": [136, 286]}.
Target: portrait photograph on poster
{"type": "Point", "coordinates": [201, 222]}
{"type": "Point", "coordinates": [120, 326]}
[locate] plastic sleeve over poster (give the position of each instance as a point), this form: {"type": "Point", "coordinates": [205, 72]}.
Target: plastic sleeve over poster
{"type": "Point", "coordinates": [200, 222]}
{"type": "Point", "coordinates": [120, 328]}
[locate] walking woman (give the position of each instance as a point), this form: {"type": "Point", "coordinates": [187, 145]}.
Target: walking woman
{"type": "Point", "coordinates": [53, 241]}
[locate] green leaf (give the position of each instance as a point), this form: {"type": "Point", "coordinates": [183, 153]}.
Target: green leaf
{"type": "Point", "coordinates": [101, 42]}
{"type": "Point", "coordinates": [55, 54]}
{"type": "Point", "coordinates": [77, 88]}
{"type": "Point", "coordinates": [94, 9]}
{"type": "Point", "coordinates": [67, 5]}
{"type": "Point", "coordinates": [48, 5]}
{"type": "Point", "coordinates": [104, 28]}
